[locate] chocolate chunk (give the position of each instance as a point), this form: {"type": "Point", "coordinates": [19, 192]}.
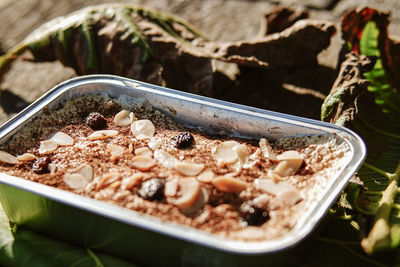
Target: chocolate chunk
{"type": "Point", "coordinates": [252, 214]}
{"type": "Point", "coordinates": [41, 165]}
{"type": "Point", "coordinates": [183, 140]}
{"type": "Point", "coordinates": [96, 121]}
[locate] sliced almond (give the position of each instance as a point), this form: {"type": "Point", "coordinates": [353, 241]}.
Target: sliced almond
{"type": "Point", "coordinates": [266, 149]}
{"type": "Point", "coordinates": [225, 152]}
{"type": "Point", "coordinates": [75, 180]}
{"type": "Point", "coordinates": [188, 168]}
{"type": "Point", "coordinates": [130, 148]}
{"type": "Point", "coordinates": [144, 151]}
{"type": "Point", "coordinates": [131, 181]}
{"type": "Point", "coordinates": [115, 185]}
{"type": "Point", "coordinates": [116, 151]}
{"type": "Point", "coordinates": [62, 139]}
{"type": "Point", "coordinates": [143, 163]}
{"type": "Point", "coordinates": [124, 118]}
{"type": "Point", "coordinates": [143, 129]}
{"type": "Point", "coordinates": [102, 134]}
{"type": "Point", "coordinates": [206, 177]}
{"type": "Point", "coordinates": [229, 184]}
{"type": "Point", "coordinates": [155, 144]}
{"type": "Point", "coordinates": [108, 179]}
{"type": "Point", "coordinates": [47, 147]}
{"type": "Point", "coordinates": [290, 163]}
{"type": "Point", "coordinates": [79, 177]}
{"type": "Point", "coordinates": [189, 191]}
{"type": "Point", "coordinates": [6, 157]}
{"type": "Point", "coordinates": [241, 153]}
{"type": "Point", "coordinates": [26, 157]}
{"type": "Point", "coordinates": [164, 158]}
{"type": "Point", "coordinates": [85, 170]}
{"type": "Point", "coordinates": [171, 187]}
{"type": "Point", "coordinates": [281, 190]}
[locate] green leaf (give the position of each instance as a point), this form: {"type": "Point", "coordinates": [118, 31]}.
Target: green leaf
{"type": "Point", "coordinates": [28, 248]}
{"type": "Point", "coordinates": [365, 31]}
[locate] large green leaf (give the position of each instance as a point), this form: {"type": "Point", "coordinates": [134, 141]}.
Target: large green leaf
{"type": "Point", "coordinates": [22, 247]}
{"type": "Point", "coordinates": [365, 32]}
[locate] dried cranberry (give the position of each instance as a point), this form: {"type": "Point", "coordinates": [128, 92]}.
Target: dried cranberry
{"type": "Point", "coordinates": [41, 165]}
{"type": "Point", "coordinates": [183, 140]}
{"type": "Point", "coordinates": [96, 121]}
{"type": "Point", "coordinates": [152, 189]}
{"type": "Point", "coordinates": [252, 214]}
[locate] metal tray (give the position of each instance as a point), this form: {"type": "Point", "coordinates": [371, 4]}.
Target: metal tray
{"type": "Point", "coordinates": [148, 240]}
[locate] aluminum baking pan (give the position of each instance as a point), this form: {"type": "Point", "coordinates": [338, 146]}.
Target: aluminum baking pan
{"type": "Point", "coordinates": [58, 212]}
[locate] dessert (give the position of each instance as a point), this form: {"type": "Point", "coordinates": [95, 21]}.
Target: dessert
{"type": "Point", "coordinates": [125, 152]}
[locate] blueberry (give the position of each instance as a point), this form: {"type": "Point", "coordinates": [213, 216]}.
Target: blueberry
{"type": "Point", "coordinates": [152, 189]}
{"type": "Point", "coordinates": [253, 214]}
{"type": "Point", "coordinates": [96, 121]}
{"type": "Point", "coordinates": [41, 165]}
{"type": "Point", "coordinates": [183, 140]}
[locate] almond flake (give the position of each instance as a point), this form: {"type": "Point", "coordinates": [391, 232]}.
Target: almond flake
{"type": "Point", "coordinates": [84, 170]}
{"type": "Point", "coordinates": [266, 149]}
{"type": "Point", "coordinates": [189, 191]}
{"type": "Point", "coordinates": [225, 152]}
{"type": "Point", "coordinates": [129, 182]}
{"type": "Point", "coordinates": [6, 157]}
{"type": "Point", "coordinates": [116, 151]}
{"type": "Point", "coordinates": [164, 158]}
{"type": "Point", "coordinates": [108, 179]}
{"type": "Point", "coordinates": [143, 129]}
{"type": "Point", "coordinates": [47, 147]}
{"type": "Point", "coordinates": [171, 187]}
{"type": "Point", "coordinates": [144, 151]}
{"type": "Point", "coordinates": [290, 163]}
{"type": "Point", "coordinates": [26, 157]}
{"type": "Point", "coordinates": [229, 184]}
{"type": "Point", "coordinates": [102, 134]}
{"type": "Point", "coordinates": [124, 118]}
{"type": "Point", "coordinates": [143, 163]}
{"type": "Point", "coordinates": [206, 177]}
{"type": "Point", "coordinates": [62, 139]}
{"type": "Point", "coordinates": [115, 185]}
{"type": "Point", "coordinates": [286, 193]}
{"type": "Point", "coordinates": [241, 153]}
{"type": "Point", "coordinates": [75, 180]}
{"type": "Point", "coordinates": [188, 168]}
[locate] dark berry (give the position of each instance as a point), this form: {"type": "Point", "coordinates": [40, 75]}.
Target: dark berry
{"type": "Point", "coordinates": [41, 165]}
{"type": "Point", "coordinates": [96, 121]}
{"type": "Point", "coordinates": [252, 214]}
{"type": "Point", "coordinates": [183, 140]}
{"type": "Point", "coordinates": [152, 189]}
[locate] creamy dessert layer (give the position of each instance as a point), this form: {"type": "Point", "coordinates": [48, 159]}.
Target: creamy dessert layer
{"type": "Point", "coordinates": [127, 153]}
